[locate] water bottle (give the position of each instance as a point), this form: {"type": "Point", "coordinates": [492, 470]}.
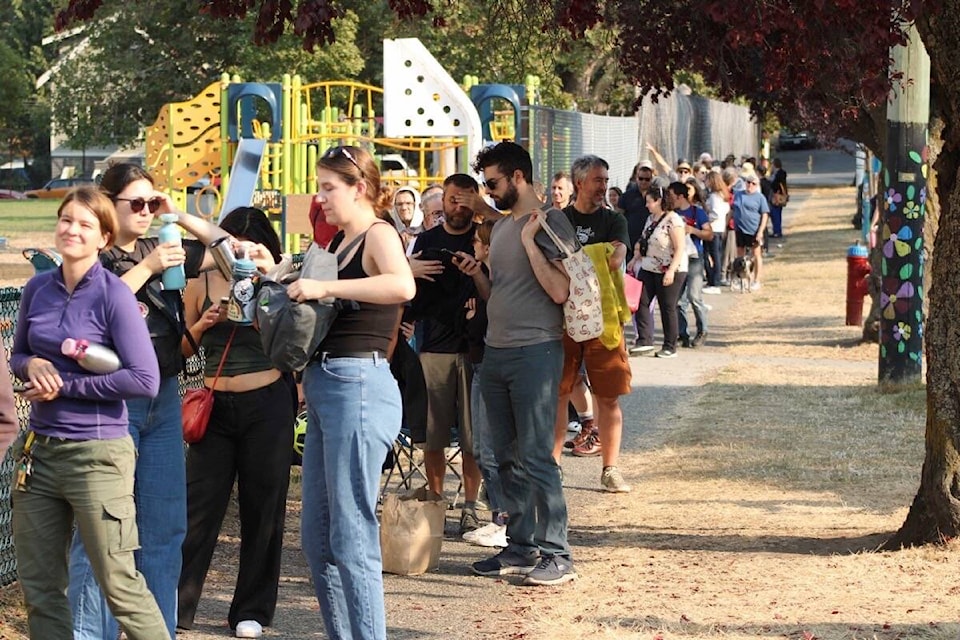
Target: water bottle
{"type": "Point", "coordinates": [242, 308]}
{"type": "Point", "coordinates": [93, 357]}
{"type": "Point", "coordinates": [173, 277]}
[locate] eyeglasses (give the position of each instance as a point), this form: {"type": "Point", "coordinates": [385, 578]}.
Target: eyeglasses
{"type": "Point", "coordinates": [137, 204]}
{"type": "Point", "coordinates": [332, 152]}
{"type": "Point", "coordinates": [492, 183]}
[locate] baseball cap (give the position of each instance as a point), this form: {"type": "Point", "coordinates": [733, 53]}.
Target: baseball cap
{"type": "Point", "coordinates": [683, 164]}
{"type": "Point", "coordinates": [645, 164]}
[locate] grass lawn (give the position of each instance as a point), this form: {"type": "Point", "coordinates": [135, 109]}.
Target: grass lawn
{"type": "Point", "coordinates": [19, 216]}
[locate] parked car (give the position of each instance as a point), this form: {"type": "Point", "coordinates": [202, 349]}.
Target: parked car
{"type": "Point", "coordinates": [10, 194]}
{"type": "Point", "coordinates": [788, 140]}
{"type": "Point", "coordinates": [395, 172]}
{"type": "Point", "coordinates": [57, 188]}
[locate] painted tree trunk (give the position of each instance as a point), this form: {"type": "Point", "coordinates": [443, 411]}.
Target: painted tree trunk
{"type": "Point", "coordinates": [935, 513]}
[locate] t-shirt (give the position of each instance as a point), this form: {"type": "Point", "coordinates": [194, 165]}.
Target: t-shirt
{"type": "Point", "coordinates": [717, 209]}
{"type": "Point", "coordinates": [439, 304]}
{"type": "Point", "coordinates": [634, 205]}
{"type": "Point", "coordinates": [748, 209]}
{"type": "Point", "coordinates": [603, 225]}
{"type": "Point", "coordinates": [697, 218]}
{"type": "Point", "coordinates": [660, 245]}
{"type": "Point", "coordinates": [163, 310]}
{"type": "Point", "coordinates": [519, 311]}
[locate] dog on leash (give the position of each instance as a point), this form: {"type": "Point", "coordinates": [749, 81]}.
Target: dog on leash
{"type": "Point", "coordinates": [743, 272]}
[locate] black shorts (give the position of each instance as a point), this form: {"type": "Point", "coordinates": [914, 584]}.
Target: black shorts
{"type": "Point", "coordinates": [746, 240]}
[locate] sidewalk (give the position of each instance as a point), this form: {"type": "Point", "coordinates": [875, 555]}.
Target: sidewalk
{"type": "Point", "coordinates": [737, 509]}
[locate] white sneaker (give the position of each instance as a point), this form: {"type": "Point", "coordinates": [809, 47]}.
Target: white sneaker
{"type": "Point", "coordinates": [249, 629]}
{"type": "Point", "coordinates": [712, 290]}
{"type": "Point", "coordinates": [755, 286]}
{"type": "Point", "coordinates": [489, 535]}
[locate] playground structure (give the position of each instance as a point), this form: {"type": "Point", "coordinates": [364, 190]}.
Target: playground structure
{"type": "Point", "coordinates": [238, 143]}
{"type": "Point", "coordinates": [208, 139]}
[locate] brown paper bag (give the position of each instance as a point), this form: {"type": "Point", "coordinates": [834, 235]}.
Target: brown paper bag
{"type": "Point", "coordinates": [411, 533]}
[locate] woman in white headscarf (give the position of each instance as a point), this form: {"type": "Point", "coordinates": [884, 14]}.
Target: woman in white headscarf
{"type": "Point", "coordinates": [407, 214]}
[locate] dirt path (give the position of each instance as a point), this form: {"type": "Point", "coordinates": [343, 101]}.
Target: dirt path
{"type": "Point", "coordinates": [764, 466]}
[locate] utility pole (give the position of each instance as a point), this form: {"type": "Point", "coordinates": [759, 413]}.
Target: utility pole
{"type": "Point", "coordinates": [904, 204]}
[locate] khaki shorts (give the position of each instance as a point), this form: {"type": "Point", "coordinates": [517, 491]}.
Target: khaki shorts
{"type": "Point", "coordinates": [448, 377]}
{"type": "Point", "coordinates": [607, 369]}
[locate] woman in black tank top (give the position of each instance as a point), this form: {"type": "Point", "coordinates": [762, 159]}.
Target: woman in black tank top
{"type": "Point", "coordinates": [353, 402]}
{"type": "Point", "coordinates": [249, 439]}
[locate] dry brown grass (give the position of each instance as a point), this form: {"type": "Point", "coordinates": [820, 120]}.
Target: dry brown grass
{"type": "Point", "coordinates": [761, 522]}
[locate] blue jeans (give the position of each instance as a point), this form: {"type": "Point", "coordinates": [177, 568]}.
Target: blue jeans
{"type": "Point", "coordinates": [692, 294]}
{"type": "Point", "coordinates": [482, 445]}
{"type": "Point", "coordinates": [354, 415]}
{"type": "Point", "coordinates": [520, 388]}
{"type": "Point", "coordinates": [776, 217]}
{"type": "Point", "coordinates": [160, 492]}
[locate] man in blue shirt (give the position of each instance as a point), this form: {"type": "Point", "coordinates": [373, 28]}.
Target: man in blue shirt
{"type": "Point", "coordinates": [750, 213]}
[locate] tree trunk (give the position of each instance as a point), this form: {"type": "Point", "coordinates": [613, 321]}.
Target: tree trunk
{"type": "Point", "coordinates": [934, 515]}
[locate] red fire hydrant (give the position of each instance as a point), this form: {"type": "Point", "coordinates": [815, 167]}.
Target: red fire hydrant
{"type": "Point", "coordinates": [858, 269]}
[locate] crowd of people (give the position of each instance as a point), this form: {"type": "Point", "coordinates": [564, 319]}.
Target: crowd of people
{"type": "Point", "coordinates": [462, 276]}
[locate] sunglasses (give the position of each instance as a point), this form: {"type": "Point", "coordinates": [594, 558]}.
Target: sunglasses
{"type": "Point", "coordinates": [492, 183]}
{"type": "Point", "coordinates": [333, 152]}
{"type": "Point", "coordinates": [137, 204]}
{"type": "Point", "coordinates": [644, 179]}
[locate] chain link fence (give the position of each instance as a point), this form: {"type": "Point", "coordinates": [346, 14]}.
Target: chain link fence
{"type": "Point", "coordinates": [681, 126]}
{"type": "Point", "coordinates": [9, 307]}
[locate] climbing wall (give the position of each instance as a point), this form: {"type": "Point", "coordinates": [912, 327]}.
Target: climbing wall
{"type": "Point", "coordinates": [183, 145]}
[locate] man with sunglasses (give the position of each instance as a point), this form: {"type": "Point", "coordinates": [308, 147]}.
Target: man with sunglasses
{"type": "Point", "coordinates": [634, 203]}
{"type": "Point", "coordinates": [523, 361]}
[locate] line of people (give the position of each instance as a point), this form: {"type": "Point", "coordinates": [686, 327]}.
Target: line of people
{"type": "Point", "coordinates": [481, 293]}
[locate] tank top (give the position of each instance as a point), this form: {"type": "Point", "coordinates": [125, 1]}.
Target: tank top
{"type": "Point", "coordinates": [246, 351]}
{"type": "Point", "coordinates": [360, 326]}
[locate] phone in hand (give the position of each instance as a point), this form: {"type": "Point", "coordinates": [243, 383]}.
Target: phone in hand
{"type": "Point", "coordinates": [22, 387]}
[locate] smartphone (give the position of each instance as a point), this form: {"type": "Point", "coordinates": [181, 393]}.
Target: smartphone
{"type": "Point", "coordinates": [21, 387]}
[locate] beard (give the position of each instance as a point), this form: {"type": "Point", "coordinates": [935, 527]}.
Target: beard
{"type": "Point", "coordinates": [459, 219]}
{"type": "Point", "coordinates": [509, 199]}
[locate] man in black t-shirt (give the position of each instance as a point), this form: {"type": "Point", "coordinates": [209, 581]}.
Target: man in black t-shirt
{"type": "Point", "coordinates": [634, 203]}
{"type": "Point", "coordinates": [608, 369]}
{"type": "Point", "coordinates": [442, 292]}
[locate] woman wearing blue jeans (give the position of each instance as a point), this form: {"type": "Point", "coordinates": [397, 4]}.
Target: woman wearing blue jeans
{"type": "Point", "coordinates": [155, 426]}
{"type": "Point", "coordinates": [353, 402]}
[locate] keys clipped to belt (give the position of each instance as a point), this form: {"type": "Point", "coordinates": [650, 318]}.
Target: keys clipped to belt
{"type": "Point", "coordinates": [25, 463]}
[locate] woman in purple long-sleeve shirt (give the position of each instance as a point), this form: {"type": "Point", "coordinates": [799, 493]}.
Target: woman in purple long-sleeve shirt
{"type": "Point", "coordinates": [78, 457]}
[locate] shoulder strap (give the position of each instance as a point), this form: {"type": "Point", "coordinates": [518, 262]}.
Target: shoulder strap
{"type": "Point", "coordinates": [342, 255]}
{"type": "Point", "coordinates": [561, 245]}
{"type": "Point", "coordinates": [223, 358]}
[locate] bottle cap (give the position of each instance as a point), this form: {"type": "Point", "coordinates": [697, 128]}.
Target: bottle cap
{"type": "Point", "coordinates": [73, 348]}
{"type": "Point", "coordinates": [169, 218]}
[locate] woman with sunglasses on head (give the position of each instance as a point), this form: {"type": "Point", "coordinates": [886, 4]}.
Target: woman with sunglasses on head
{"type": "Point", "coordinates": [78, 457]}
{"type": "Point", "coordinates": [248, 441]}
{"type": "Point", "coordinates": [660, 262]}
{"type": "Point", "coordinates": [353, 403]}
{"type": "Point", "coordinates": [155, 423]}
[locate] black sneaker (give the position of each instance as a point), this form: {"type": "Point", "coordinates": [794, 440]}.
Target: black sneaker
{"type": "Point", "coordinates": [666, 353]}
{"type": "Point", "coordinates": [505, 563]}
{"type": "Point", "coordinates": [685, 341]}
{"type": "Point", "coordinates": [551, 570]}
